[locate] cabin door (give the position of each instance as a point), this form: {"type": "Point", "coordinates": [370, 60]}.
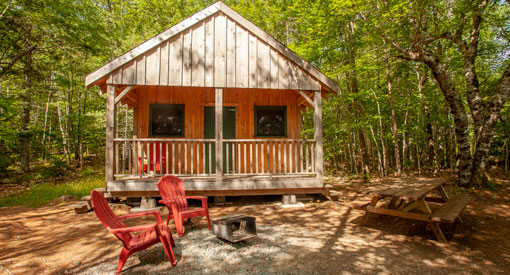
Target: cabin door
{"type": "Point", "coordinates": [229, 132]}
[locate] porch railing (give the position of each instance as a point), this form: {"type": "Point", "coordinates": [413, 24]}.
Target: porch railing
{"type": "Point", "coordinates": [196, 157]}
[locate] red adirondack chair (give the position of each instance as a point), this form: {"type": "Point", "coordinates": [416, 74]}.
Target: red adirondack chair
{"type": "Point", "coordinates": [173, 196]}
{"type": "Point", "coordinates": [154, 164]}
{"type": "Point", "coordinates": [150, 233]}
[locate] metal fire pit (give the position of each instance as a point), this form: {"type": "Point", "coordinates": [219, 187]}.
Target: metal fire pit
{"type": "Point", "coordinates": [234, 228]}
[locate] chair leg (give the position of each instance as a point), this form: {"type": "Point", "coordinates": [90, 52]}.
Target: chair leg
{"type": "Point", "coordinates": [169, 217]}
{"type": "Point", "coordinates": [172, 242]}
{"type": "Point", "coordinates": [124, 254]}
{"type": "Point", "coordinates": [178, 225]}
{"type": "Point", "coordinates": [208, 221]}
{"type": "Point", "coordinates": [168, 248]}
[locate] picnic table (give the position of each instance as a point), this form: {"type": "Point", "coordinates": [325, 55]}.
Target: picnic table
{"type": "Point", "coordinates": [414, 201]}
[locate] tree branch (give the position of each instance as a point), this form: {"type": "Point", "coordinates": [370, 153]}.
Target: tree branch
{"type": "Point", "coordinates": [15, 60]}
{"type": "Point", "coordinates": [6, 8]}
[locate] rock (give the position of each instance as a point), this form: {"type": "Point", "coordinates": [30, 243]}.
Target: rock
{"type": "Point", "coordinates": [81, 207]}
{"type": "Point", "coordinates": [65, 198]}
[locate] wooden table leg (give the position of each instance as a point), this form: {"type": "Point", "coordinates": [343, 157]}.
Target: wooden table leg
{"type": "Point", "coordinates": [392, 203]}
{"type": "Point", "coordinates": [434, 225]}
{"type": "Point", "coordinates": [443, 194]}
{"type": "Point", "coordinates": [373, 202]}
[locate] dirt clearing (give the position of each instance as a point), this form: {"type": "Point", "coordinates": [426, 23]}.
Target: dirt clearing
{"type": "Point", "coordinates": [322, 238]}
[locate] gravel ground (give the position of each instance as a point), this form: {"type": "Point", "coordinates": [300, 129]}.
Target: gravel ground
{"type": "Point", "coordinates": [199, 252]}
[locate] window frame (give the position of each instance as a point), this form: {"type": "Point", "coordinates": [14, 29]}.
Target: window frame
{"type": "Point", "coordinates": [159, 105]}
{"type": "Point", "coordinates": [272, 107]}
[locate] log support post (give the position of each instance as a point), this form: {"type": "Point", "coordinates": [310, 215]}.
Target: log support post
{"type": "Point", "coordinates": [219, 135]}
{"type": "Point", "coordinates": [317, 120]}
{"type": "Point", "coordinates": [111, 113]}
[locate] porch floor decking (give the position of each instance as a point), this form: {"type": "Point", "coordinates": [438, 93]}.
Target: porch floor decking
{"type": "Point", "coordinates": [234, 185]}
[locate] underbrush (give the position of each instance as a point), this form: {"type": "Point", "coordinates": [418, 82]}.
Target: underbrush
{"type": "Point", "coordinates": [46, 191]}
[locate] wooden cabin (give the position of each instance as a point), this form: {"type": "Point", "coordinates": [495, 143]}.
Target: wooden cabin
{"type": "Point", "coordinates": [217, 102]}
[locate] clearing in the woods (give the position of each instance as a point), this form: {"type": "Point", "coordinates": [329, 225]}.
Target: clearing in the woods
{"type": "Point", "coordinates": [322, 238]}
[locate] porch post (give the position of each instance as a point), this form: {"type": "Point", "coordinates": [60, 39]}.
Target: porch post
{"type": "Point", "coordinates": [317, 120]}
{"type": "Point", "coordinates": [110, 132]}
{"type": "Point", "coordinates": [219, 135]}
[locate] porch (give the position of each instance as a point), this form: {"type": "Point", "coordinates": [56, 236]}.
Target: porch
{"type": "Point", "coordinates": [219, 149]}
{"type": "Point", "coordinates": [248, 166]}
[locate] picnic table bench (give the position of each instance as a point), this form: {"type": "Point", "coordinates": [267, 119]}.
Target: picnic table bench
{"type": "Point", "coordinates": [412, 201]}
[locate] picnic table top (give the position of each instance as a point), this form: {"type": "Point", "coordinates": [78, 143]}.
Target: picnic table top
{"type": "Point", "coordinates": [409, 191]}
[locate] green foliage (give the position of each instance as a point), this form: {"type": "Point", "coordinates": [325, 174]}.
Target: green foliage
{"type": "Point", "coordinates": [57, 168]}
{"type": "Point", "coordinates": [72, 38]}
{"type": "Point", "coordinates": [45, 192]}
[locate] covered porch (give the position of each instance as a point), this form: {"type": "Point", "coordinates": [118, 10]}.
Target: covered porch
{"type": "Point", "coordinates": [216, 166]}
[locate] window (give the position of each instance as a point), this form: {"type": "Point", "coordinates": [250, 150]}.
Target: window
{"type": "Point", "coordinates": [270, 121]}
{"type": "Point", "coordinates": [166, 120]}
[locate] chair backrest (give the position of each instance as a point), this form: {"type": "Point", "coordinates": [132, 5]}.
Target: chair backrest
{"type": "Point", "coordinates": [106, 215]}
{"type": "Point", "coordinates": [157, 145]}
{"type": "Point", "coordinates": [172, 188]}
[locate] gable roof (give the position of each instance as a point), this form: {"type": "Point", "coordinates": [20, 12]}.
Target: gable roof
{"type": "Point", "coordinates": [293, 71]}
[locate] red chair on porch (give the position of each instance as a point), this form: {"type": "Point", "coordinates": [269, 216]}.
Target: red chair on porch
{"type": "Point", "coordinates": [171, 189]}
{"type": "Point", "coordinates": [157, 166]}
{"type": "Point", "coordinates": [150, 233]}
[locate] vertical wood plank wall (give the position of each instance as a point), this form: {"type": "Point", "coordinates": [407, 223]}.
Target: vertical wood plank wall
{"type": "Point", "coordinates": [195, 99]}
{"type": "Point", "coordinates": [215, 52]}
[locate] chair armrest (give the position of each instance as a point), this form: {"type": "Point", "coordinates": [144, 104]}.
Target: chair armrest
{"type": "Point", "coordinates": [201, 198]}
{"type": "Point", "coordinates": [138, 228]}
{"type": "Point", "coordinates": [196, 198]}
{"type": "Point", "coordinates": [172, 206]}
{"type": "Point", "coordinates": [144, 213]}
{"type": "Point", "coordinates": [167, 202]}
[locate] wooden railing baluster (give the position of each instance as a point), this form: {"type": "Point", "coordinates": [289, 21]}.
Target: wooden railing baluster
{"type": "Point", "coordinates": [140, 157]}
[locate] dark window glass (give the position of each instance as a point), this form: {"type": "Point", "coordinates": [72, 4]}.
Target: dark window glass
{"type": "Point", "coordinates": [270, 121]}
{"type": "Point", "coordinates": [166, 120]}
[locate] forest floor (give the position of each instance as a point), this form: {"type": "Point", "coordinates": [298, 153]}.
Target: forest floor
{"type": "Point", "coordinates": [322, 238]}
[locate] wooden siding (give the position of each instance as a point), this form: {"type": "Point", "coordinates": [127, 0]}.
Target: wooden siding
{"type": "Point", "coordinates": [244, 99]}
{"type": "Point", "coordinates": [195, 99]}
{"type": "Point", "coordinates": [215, 52]}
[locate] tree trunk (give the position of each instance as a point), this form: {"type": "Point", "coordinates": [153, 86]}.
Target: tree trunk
{"type": "Point", "coordinates": [492, 116]}
{"type": "Point", "coordinates": [79, 145]}
{"type": "Point", "coordinates": [379, 162]}
{"type": "Point", "coordinates": [352, 80]}
{"type": "Point", "coordinates": [45, 124]}
{"type": "Point", "coordinates": [506, 155]}
{"type": "Point", "coordinates": [381, 137]}
{"type": "Point", "coordinates": [426, 124]}
{"type": "Point", "coordinates": [61, 124]}
{"type": "Point", "coordinates": [68, 120]}
{"type": "Point", "coordinates": [404, 143]}
{"type": "Point", "coordinates": [353, 87]}
{"type": "Point", "coordinates": [26, 97]}
{"type": "Point", "coordinates": [394, 128]}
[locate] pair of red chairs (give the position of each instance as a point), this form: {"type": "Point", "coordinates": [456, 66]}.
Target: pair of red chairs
{"type": "Point", "coordinates": [173, 196]}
